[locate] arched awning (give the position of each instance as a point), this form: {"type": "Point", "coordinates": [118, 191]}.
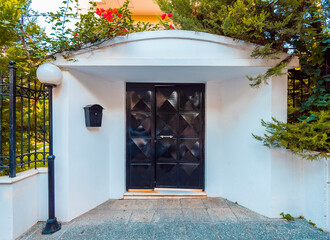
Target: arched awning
{"type": "Point", "coordinates": [163, 55]}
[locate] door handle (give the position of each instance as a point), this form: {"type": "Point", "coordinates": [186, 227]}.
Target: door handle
{"type": "Point", "coordinates": [166, 136]}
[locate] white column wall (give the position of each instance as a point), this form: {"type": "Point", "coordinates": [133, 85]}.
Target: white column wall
{"type": "Point", "coordinates": [117, 142]}
{"type": "Point", "coordinates": [90, 162]}
{"type": "Point", "coordinates": [286, 173]}
{"type": "Point", "coordinates": [61, 147]}
{"type": "Point", "coordinates": [237, 166]}
{"type": "Point", "coordinates": [88, 147]}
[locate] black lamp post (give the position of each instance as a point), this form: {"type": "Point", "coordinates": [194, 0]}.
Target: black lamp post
{"type": "Point", "coordinates": [50, 75]}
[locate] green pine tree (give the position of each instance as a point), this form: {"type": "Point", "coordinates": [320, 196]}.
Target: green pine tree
{"type": "Point", "coordinates": [297, 27]}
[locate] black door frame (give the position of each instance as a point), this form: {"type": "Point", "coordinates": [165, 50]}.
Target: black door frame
{"type": "Point", "coordinates": [153, 105]}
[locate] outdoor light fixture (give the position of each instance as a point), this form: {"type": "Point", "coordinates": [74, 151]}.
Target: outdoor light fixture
{"type": "Point", "coordinates": [50, 75]}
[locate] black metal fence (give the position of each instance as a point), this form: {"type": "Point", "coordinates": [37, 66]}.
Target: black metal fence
{"type": "Point", "coordinates": [24, 123]}
{"type": "Point", "coordinates": [299, 88]}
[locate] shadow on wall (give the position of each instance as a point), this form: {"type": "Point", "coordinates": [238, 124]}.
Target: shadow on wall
{"type": "Point", "coordinates": [102, 89]}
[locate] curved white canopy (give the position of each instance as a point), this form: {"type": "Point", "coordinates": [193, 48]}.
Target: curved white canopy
{"type": "Point", "coordinates": [168, 51]}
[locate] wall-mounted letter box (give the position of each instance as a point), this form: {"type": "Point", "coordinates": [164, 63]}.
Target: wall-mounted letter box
{"type": "Point", "coordinates": [93, 115]}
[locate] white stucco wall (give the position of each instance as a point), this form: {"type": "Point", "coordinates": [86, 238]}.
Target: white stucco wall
{"type": "Point", "coordinates": [23, 202]}
{"type": "Point", "coordinates": [237, 166]}
{"type": "Point", "coordinates": [315, 192]}
{"type": "Point", "coordinates": [86, 155]}
{"type": "Point", "coordinates": [90, 163]}
{"type": "Point", "coordinates": [233, 111]}
{"type": "Point", "coordinates": [300, 188]}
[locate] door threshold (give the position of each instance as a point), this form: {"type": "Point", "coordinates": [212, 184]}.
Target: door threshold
{"type": "Point", "coordinates": [159, 193]}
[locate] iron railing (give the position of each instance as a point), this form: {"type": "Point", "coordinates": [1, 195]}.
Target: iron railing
{"type": "Point", "coordinates": [24, 123]}
{"type": "Point", "coordinates": [299, 88]}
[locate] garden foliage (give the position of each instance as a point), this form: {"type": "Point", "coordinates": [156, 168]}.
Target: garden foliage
{"type": "Point", "coordinates": [297, 27]}
{"type": "Point", "coordinates": [23, 40]}
{"type": "Point", "coordinates": [29, 45]}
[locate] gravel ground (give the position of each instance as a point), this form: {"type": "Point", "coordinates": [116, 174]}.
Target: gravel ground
{"type": "Point", "coordinates": [209, 218]}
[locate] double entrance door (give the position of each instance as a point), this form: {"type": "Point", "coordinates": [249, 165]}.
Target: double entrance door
{"type": "Point", "coordinates": [164, 136]}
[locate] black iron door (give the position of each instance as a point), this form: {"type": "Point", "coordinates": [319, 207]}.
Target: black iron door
{"type": "Point", "coordinates": [140, 144]}
{"type": "Point", "coordinates": [165, 136]}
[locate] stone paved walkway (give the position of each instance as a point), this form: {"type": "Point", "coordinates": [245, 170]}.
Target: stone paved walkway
{"type": "Point", "coordinates": [210, 218]}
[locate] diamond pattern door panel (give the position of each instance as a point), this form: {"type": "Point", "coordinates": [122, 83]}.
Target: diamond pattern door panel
{"type": "Point", "coordinates": [189, 175]}
{"type": "Point", "coordinates": [190, 125]}
{"type": "Point", "coordinates": [166, 150]}
{"type": "Point", "coordinates": [191, 99]}
{"type": "Point", "coordinates": [165, 136]}
{"type": "Point", "coordinates": [167, 100]}
{"type": "Point", "coordinates": [141, 123]}
{"type": "Point", "coordinates": [140, 173]}
{"type": "Point", "coordinates": [189, 150]}
{"type": "Point", "coordinates": [141, 150]}
{"type": "Point", "coordinates": [166, 124]}
{"type": "Point", "coordinates": [179, 134]}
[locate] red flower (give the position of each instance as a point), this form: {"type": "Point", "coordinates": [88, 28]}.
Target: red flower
{"type": "Point", "coordinates": [76, 35]}
{"type": "Point", "coordinates": [107, 14]}
{"type": "Point", "coordinates": [171, 26]}
{"type": "Point", "coordinates": [170, 15]}
{"type": "Point", "coordinates": [99, 11]}
{"type": "Point", "coordinates": [163, 16]}
{"type": "Point", "coordinates": [109, 17]}
{"type": "Point", "coordinates": [123, 31]}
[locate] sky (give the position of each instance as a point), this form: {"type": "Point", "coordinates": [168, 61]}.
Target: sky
{"type": "Point", "coordinates": [44, 6]}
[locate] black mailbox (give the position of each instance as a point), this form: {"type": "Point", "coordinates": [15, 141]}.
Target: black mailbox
{"type": "Point", "coordinates": [93, 115]}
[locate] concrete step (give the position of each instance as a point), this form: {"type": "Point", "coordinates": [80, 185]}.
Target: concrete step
{"type": "Point", "coordinates": [159, 193]}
